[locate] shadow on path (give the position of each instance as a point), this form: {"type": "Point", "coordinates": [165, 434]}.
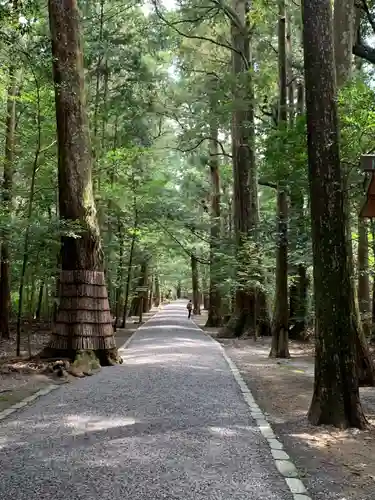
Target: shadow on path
{"type": "Point", "coordinates": [170, 423]}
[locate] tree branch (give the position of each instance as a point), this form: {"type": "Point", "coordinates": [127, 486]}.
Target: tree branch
{"type": "Point", "coordinates": [369, 16]}
{"type": "Point", "coordinates": [230, 13]}
{"type": "Point", "coordinates": [223, 152]}
{"type": "Point", "coordinates": [190, 254]}
{"type": "Point", "coordinates": [263, 182]}
{"type": "Point", "coordinates": [197, 37]}
{"type": "Point", "coordinates": [364, 51]}
{"type": "Point", "coordinates": [360, 48]}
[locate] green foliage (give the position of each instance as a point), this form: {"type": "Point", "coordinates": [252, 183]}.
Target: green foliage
{"type": "Point", "coordinates": [153, 97]}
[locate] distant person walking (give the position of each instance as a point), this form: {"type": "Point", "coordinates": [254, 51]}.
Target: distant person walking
{"type": "Point", "coordinates": [189, 307]}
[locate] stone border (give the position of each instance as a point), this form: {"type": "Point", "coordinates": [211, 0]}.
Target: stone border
{"type": "Point", "coordinates": [282, 460]}
{"type": "Point", "coordinates": [51, 387]}
{"type": "Point", "coordinates": [127, 342]}
{"type": "Point", "coordinates": [25, 402]}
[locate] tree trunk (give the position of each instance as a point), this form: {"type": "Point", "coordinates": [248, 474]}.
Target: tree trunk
{"type": "Point", "coordinates": [373, 282]}
{"type": "Point", "coordinates": [10, 128]}
{"type": "Point", "coordinates": [84, 321]}
{"type": "Point", "coordinates": [195, 285]}
{"type": "Point", "coordinates": [336, 391]}
{"type": "Point", "coordinates": [178, 290]}
{"type": "Point", "coordinates": [130, 263]}
{"type": "Point", "coordinates": [151, 294]}
{"type": "Point", "coordinates": [343, 27]}
{"type": "Point", "coordinates": [28, 227]}
{"type": "Point", "coordinates": [206, 302]}
{"type": "Point", "coordinates": [145, 302]}
{"type": "Point", "coordinates": [279, 347]}
{"type": "Point", "coordinates": [214, 306]}
{"type": "Point", "coordinates": [345, 22]}
{"type": "Point", "coordinates": [120, 272]}
{"type": "Point", "coordinates": [40, 301]}
{"type": "Point", "coordinates": [157, 295]}
{"type": "Point", "coordinates": [298, 307]}
{"type": "Point", "coordinates": [363, 277]}
{"type": "Point", "coordinates": [263, 316]}
{"type": "Point", "coordinates": [298, 298]}
{"type": "Point", "coordinates": [137, 302]}
{"type": "Point", "coordinates": [245, 189]}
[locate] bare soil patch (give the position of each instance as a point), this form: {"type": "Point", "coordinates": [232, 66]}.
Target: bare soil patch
{"type": "Point", "coordinates": [334, 464]}
{"type": "Point", "coordinates": [20, 377]}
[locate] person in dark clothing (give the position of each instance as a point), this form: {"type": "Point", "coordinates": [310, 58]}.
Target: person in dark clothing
{"type": "Point", "coordinates": [189, 307]}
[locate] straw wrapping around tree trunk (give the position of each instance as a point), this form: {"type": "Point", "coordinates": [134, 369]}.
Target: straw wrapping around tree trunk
{"type": "Point", "coordinates": [84, 320]}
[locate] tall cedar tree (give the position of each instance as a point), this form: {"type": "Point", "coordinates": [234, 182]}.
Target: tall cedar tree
{"type": "Point", "coordinates": [345, 23]}
{"type": "Point", "coordinates": [279, 348]}
{"type": "Point", "coordinates": [214, 307]}
{"type": "Point", "coordinates": [10, 129]}
{"type": "Point", "coordinates": [244, 169]}
{"type": "Point", "coordinates": [83, 320]}
{"type": "Point", "coordinates": [195, 285]}
{"type": "Point", "coordinates": [336, 394]}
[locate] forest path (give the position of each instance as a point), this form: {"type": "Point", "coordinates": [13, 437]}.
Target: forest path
{"type": "Point", "coordinates": [170, 423]}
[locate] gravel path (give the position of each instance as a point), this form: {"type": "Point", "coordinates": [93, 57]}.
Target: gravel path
{"type": "Point", "coordinates": [170, 423]}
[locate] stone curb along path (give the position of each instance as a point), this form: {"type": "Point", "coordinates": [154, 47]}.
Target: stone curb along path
{"type": "Point", "coordinates": [51, 387]}
{"type": "Point", "coordinates": [282, 460]}
{"type": "Point", "coordinates": [43, 392]}
{"type": "Point", "coordinates": [28, 400]}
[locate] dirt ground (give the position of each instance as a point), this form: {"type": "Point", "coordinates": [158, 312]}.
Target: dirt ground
{"type": "Point", "coordinates": [19, 378]}
{"type": "Point", "coordinates": [334, 464]}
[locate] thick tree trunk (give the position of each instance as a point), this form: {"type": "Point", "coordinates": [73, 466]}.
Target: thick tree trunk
{"type": "Point", "coordinates": [345, 22]}
{"type": "Point", "coordinates": [245, 188]}
{"type": "Point", "coordinates": [279, 347]}
{"type": "Point", "coordinates": [145, 301]}
{"type": "Point", "coordinates": [336, 391]}
{"type": "Point", "coordinates": [139, 300]}
{"type": "Point", "coordinates": [264, 328]}
{"type": "Point", "coordinates": [157, 296]}
{"type": "Point", "coordinates": [343, 28]}
{"type": "Point", "coordinates": [130, 265]}
{"type": "Point", "coordinates": [84, 321]}
{"type": "Point", "coordinates": [151, 294]}
{"type": "Point", "coordinates": [363, 277]}
{"type": "Point", "coordinates": [40, 301]}
{"type": "Point", "coordinates": [206, 301]}
{"type": "Point", "coordinates": [120, 272]}
{"type": "Point", "coordinates": [195, 285]}
{"type": "Point", "coordinates": [178, 290]}
{"type": "Point", "coordinates": [10, 128]}
{"type": "Point", "coordinates": [214, 305]}
{"type": "Point", "coordinates": [373, 282]}
{"type": "Point", "coordinates": [298, 305]}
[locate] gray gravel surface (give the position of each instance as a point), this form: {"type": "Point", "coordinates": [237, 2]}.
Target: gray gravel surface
{"type": "Point", "coordinates": [170, 423]}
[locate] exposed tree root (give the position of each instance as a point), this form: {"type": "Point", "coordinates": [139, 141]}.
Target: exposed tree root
{"type": "Point", "coordinates": [297, 331]}
{"type": "Point", "coordinates": [214, 321]}
{"type": "Point", "coordinates": [239, 325]}
{"type": "Point", "coordinates": [279, 347]}
{"type": "Point", "coordinates": [82, 363]}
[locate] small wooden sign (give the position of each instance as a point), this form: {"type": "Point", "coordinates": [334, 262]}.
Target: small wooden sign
{"type": "Point", "coordinates": [368, 163]}
{"type": "Point", "coordinates": [141, 289]}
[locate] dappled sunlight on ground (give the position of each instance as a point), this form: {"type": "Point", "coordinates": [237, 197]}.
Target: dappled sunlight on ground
{"type": "Point", "coordinates": [336, 464]}
{"type": "Point", "coordinates": [83, 423]}
{"type": "Point", "coordinates": [343, 462]}
{"type": "Point", "coordinates": [169, 423]}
